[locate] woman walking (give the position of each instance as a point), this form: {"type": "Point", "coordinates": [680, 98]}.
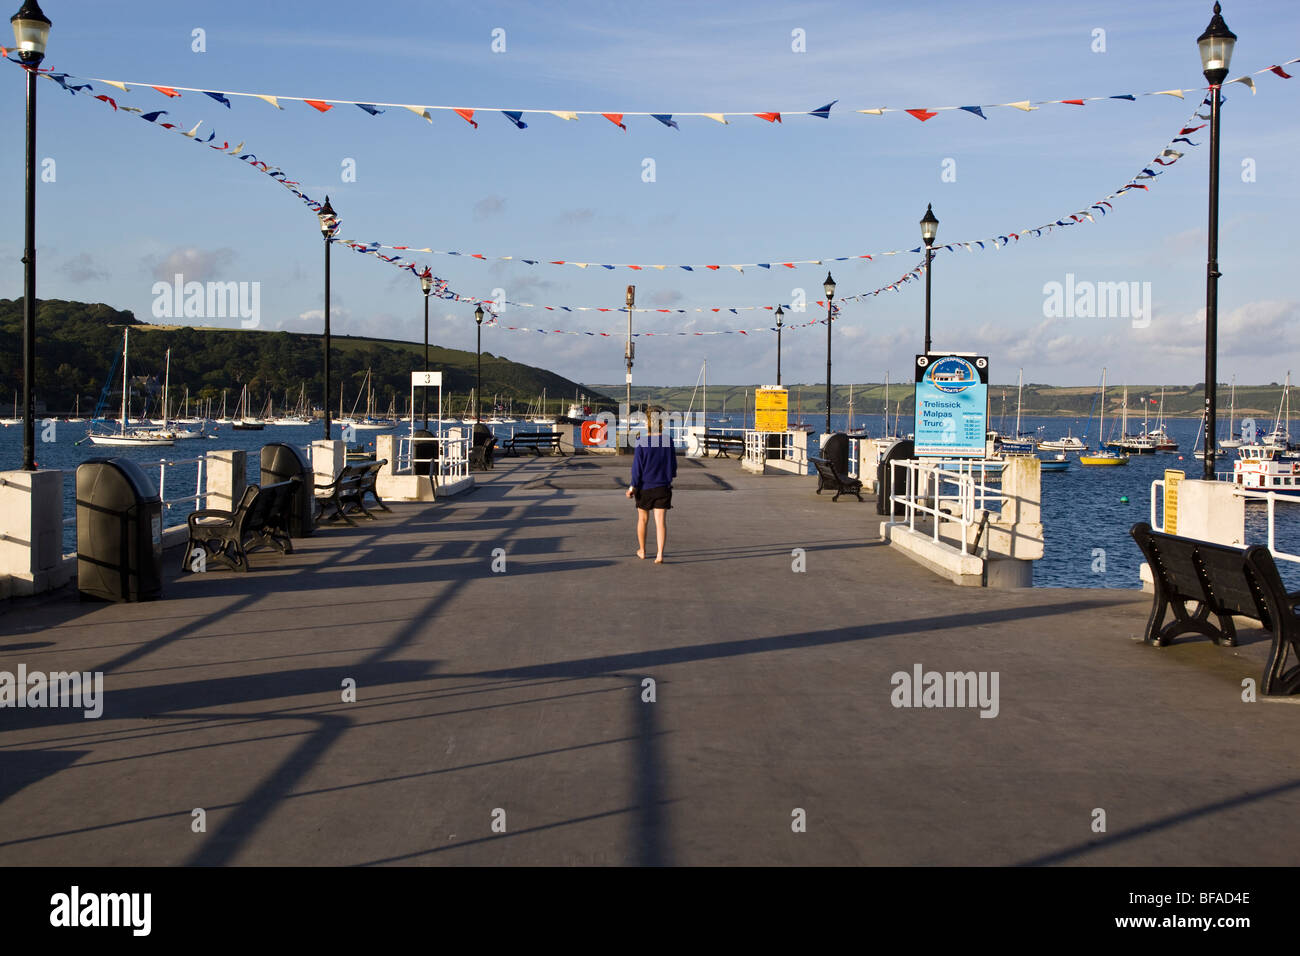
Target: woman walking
{"type": "Point", "coordinates": [654, 466]}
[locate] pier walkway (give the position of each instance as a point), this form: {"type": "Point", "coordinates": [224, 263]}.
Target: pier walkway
{"type": "Point", "coordinates": [517, 697]}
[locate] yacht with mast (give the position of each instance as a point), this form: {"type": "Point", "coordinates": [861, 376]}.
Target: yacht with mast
{"type": "Point", "coordinates": [1103, 457]}
{"type": "Point", "coordinates": [124, 434]}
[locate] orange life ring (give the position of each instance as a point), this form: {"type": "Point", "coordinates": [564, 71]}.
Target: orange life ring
{"type": "Point", "coordinates": [594, 433]}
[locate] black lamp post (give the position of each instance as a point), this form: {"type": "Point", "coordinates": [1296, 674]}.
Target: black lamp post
{"type": "Point", "coordinates": [780, 320]}
{"type": "Point", "coordinates": [1216, 45]}
{"type": "Point", "coordinates": [31, 31]}
{"type": "Point", "coordinates": [478, 377]}
{"type": "Point", "coordinates": [426, 284]}
{"type": "Point", "coordinates": [328, 220]}
{"type": "Point", "coordinates": [829, 287]}
{"type": "Point", "coordinates": [929, 229]}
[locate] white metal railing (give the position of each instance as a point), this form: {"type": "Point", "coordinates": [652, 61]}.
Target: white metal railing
{"type": "Point", "coordinates": [855, 452]}
{"type": "Point", "coordinates": [1268, 498]}
{"type": "Point", "coordinates": [200, 472]}
{"type": "Point", "coordinates": [761, 446]}
{"type": "Point", "coordinates": [928, 485]}
{"type": "Point", "coordinates": [452, 460]}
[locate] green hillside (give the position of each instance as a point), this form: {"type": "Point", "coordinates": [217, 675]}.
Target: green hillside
{"type": "Point", "coordinates": [79, 341]}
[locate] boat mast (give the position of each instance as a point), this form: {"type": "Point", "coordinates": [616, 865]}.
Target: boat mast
{"type": "Point", "coordinates": [167, 383]}
{"type": "Point", "coordinates": [1020, 386]}
{"type": "Point", "coordinates": [126, 338]}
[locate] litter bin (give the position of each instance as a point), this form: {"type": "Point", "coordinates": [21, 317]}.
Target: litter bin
{"type": "Point", "coordinates": [282, 462]}
{"type": "Point", "coordinates": [424, 445]}
{"type": "Point", "coordinates": [884, 477]}
{"type": "Point", "coordinates": [119, 532]}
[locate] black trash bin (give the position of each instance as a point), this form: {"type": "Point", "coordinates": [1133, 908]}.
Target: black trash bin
{"type": "Point", "coordinates": [119, 532]}
{"type": "Point", "coordinates": [884, 477]}
{"type": "Point", "coordinates": [424, 446]}
{"type": "Point", "coordinates": [283, 462]}
{"type": "Point", "coordinates": [836, 451]}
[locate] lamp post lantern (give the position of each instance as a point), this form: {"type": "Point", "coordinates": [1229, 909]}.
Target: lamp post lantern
{"type": "Point", "coordinates": [31, 32]}
{"type": "Point", "coordinates": [829, 287]}
{"type": "Point", "coordinates": [426, 285]}
{"type": "Point", "coordinates": [328, 223]}
{"type": "Point", "coordinates": [630, 301]}
{"type": "Point", "coordinates": [780, 320]}
{"type": "Point", "coordinates": [929, 229]}
{"type": "Point", "coordinates": [1216, 45]}
{"type": "Point", "coordinates": [478, 375]}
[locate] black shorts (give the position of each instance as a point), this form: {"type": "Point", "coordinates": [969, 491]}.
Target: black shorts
{"type": "Point", "coordinates": [650, 498]}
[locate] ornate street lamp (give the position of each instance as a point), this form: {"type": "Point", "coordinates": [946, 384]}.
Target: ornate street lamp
{"type": "Point", "coordinates": [328, 222]}
{"type": "Point", "coordinates": [1216, 45]}
{"type": "Point", "coordinates": [780, 320]}
{"type": "Point", "coordinates": [31, 32]}
{"type": "Point", "coordinates": [478, 376]}
{"type": "Point", "coordinates": [929, 229]}
{"type": "Point", "coordinates": [426, 284]}
{"type": "Point", "coordinates": [829, 287]}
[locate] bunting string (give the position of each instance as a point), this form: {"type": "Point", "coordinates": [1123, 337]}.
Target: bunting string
{"type": "Point", "coordinates": [514, 115]}
{"type": "Point", "coordinates": [441, 289]}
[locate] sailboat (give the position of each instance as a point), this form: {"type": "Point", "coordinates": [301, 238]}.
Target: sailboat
{"type": "Point", "coordinates": [16, 419]}
{"type": "Point", "coordinates": [242, 421]}
{"type": "Point", "coordinates": [724, 418]}
{"type": "Point", "coordinates": [369, 423]}
{"type": "Point", "coordinates": [299, 416]}
{"type": "Point", "coordinates": [1020, 444]}
{"type": "Point", "coordinates": [1159, 434]}
{"type": "Point", "coordinates": [1103, 456]}
{"type": "Point", "coordinates": [123, 435]}
{"type": "Point", "coordinates": [540, 418]}
{"type": "Point", "coordinates": [1232, 441]}
{"type": "Point", "coordinates": [799, 425]}
{"type": "Point", "coordinates": [76, 413]}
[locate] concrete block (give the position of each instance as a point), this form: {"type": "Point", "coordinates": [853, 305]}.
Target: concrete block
{"type": "Point", "coordinates": [327, 459]}
{"type": "Point", "coordinates": [1211, 511]}
{"type": "Point", "coordinates": [227, 473]}
{"type": "Point", "coordinates": [31, 531]}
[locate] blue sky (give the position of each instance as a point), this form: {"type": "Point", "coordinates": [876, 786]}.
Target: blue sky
{"type": "Point", "coordinates": [131, 204]}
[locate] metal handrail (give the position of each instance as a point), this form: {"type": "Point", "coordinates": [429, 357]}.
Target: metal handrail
{"type": "Point", "coordinates": [926, 480]}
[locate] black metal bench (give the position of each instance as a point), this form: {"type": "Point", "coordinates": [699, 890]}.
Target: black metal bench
{"type": "Point", "coordinates": [534, 440]}
{"type": "Point", "coordinates": [260, 520]}
{"type": "Point", "coordinates": [1223, 581]}
{"type": "Point", "coordinates": [480, 456]}
{"type": "Point", "coordinates": [829, 477]}
{"type": "Point", "coordinates": [368, 483]}
{"type": "Point", "coordinates": [346, 493]}
{"type": "Point", "coordinates": [721, 444]}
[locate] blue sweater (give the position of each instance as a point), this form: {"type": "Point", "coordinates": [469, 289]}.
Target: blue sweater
{"type": "Point", "coordinates": [653, 467]}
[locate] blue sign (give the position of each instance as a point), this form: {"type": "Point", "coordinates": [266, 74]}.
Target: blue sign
{"type": "Point", "coordinates": [952, 406]}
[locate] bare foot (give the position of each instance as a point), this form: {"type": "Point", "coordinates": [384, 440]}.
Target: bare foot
{"type": "Point", "coordinates": [659, 560]}
{"type": "Point", "coordinates": [641, 555]}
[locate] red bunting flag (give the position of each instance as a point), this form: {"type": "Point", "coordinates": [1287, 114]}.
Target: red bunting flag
{"type": "Point", "coordinates": [1281, 72]}
{"type": "Point", "coordinates": [770, 117]}
{"type": "Point", "coordinates": [319, 105]}
{"type": "Point", "coordinates": [166, 91]}
{"type": "Point", "coordinates": [616, 119]}
{"type": "Point", "coordinates": [922, 115]}
{"type": "Point", "coordinates": [108, 100]}
{"type": "Point", "coordinates": [467, 116]}
{"type": "Point", "coordinates": [714, 268]}
{"type": "Point", "coordinates": [1073, 102]}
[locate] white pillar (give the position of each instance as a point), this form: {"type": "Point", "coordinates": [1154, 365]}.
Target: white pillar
{"type": "Point", "coordinates": [227, 477]}
{"type": "Point", "coordinates": [327, 459]}
{"type": "Point", "coordinates": [31, 532]}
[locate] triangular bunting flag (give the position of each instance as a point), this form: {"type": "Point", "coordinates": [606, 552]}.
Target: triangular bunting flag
{"type": "Point", "coordinates": [666, 119]}
{"type": "Point", "coordinates": [1177, 93]}
{"type": "Point", "coordinates": [717, 117]}
{"type": "Point", "coordinates": [1023, 105]}
{"type": "Point", "coordinates": [770, 117]}
{"type": "Point", "coordinates": [372, 110]}
{"type": "Point", "coordinates": [273, 100]}
{"type": "Point", "coordinates": [420, 111]}
{"type": "Point", "coordinates": [1247, 80]}
{"type": "Point", "coordinates": [109, 100]}
{"type": "Point", "coordinates": [874, 112]}
{"type": "Point", "coordinates": [166, 91]}
{"type": "Point", "coordinates": [125, 89]}
{"type": "Point", "coordinates": [564, 114]}
{"type": "Point", "coordinates": [823, 111]}
{"type": "Point", "coordinates": [219, 98]}
{"type": "Point", "coordinates": [516, 117]}
{"type": "Point", "coordinates": [1125, 96]}
{"type": "Point", "coordinates": [320, 105]}
{"type": "Point", "coordinates": [616, 119]}
{"type": "Point", "coordinates": [976, 110]}
{"type": "Point", "coordinates": [1071, 102]}
{"type": "Point", "coordinates": [1280, 72]}
{"type": "Point", "coordinates": [466, 115]}
{"type": "Point", "coordinates": [922, 115]}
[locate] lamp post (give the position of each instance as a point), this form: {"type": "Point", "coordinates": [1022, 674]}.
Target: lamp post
{"type": "Point", "coordinates": [631, 349]}
{"type": "Point", "coordinates": [328, 220]}
{"type": "Point", "coordinates": [929, 229]}
{"type": "Point", "coordinates": [426, 284]}
{"type": "Point", "coordinates": [1216, 45]}
{"type": "Point", "coordinates": [31, 31]}
{"type": "Point", "coordinates": [829, 287]}
{"type": "Point", "coordinates": [780, 320]}
{"type": "Point", "coordinates": [478, 376]}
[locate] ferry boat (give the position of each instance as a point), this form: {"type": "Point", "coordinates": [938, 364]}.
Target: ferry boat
{"type": "Point", "coordinates": [1066, 444]}
{"type": "Point", "coordinates": [1263, 468]}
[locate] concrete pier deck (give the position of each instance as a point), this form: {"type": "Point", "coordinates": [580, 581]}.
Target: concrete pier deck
{"type": "Point", "coordinates": [517, 697]}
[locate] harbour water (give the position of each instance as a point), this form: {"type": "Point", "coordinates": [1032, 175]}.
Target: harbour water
{"type": "Point", "coordinates": [1087, 512]}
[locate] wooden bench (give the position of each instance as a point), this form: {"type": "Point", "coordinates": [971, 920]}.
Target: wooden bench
{"type": "Point", "coordinates": [1223, 581]}
{"type": "Point", "coordinates": [829, 477]}
{"type": "Point", "coordinates": [721, 444]}
{"type": "Point", "coordinates": [260, 520]}
{"type": "Point", "coordinates": [534, 440]}
{"type": "Point", "coordinates": [346, 493]}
